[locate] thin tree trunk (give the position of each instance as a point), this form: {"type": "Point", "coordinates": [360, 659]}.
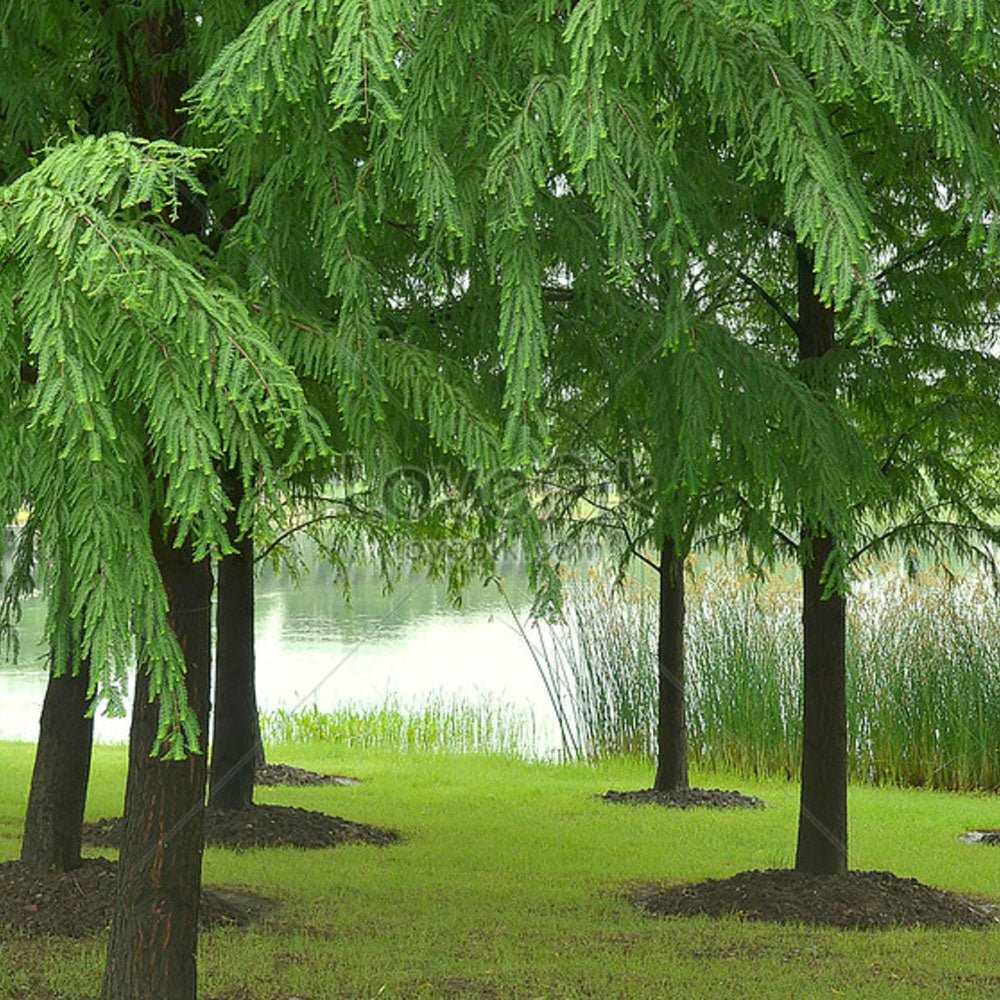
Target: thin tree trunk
{"type": "Point", "coordinates": [671, 730]}
{"type": "Point", "coordinates": [54, 819]}
{"type": "Point", "coordinates": [154, 931]}
{"type": "Point", "coordinates": [822, 841]}
{"type": "Point", "coordinates": [236, 726]}
{"type": "Point", "coordinates": [822, 837]}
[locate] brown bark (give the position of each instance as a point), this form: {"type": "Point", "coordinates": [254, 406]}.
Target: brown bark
{"type": "Point", "coordinates": [671, 730]}
{"type": "Point", "coordinates": [151, 951]}
{"type": "Point", "coordinates": [822, 835]}
{"type": "Point", "coordinates": [236, 728]}
{"type": "Point", "coordinates": [154, 931]}
{"type": "Point", "coordinates": [54, 819]}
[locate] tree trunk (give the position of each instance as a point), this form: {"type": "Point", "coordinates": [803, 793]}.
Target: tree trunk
{"type": "Point", "coordinates": [54, 820]}
{"type": "Point", "coordinates": [671, 730]}
{"type": "Point", "coordinates": [236, 726]}
{"type": "Point", "coordinates": [154, 931]}
{"type": "Point", "coordinates": [822, 842]}
{"type": "Point", "coordinates": [822, 839]}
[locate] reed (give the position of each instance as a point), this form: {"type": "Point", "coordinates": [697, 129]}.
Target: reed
{"type": "Point", "coordinates": [923, 683]}
{"type": "Point", "coordinates": [923, 676]}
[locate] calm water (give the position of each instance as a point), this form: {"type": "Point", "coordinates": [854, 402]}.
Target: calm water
{"type": "Point", "coordinates": [313, 647]}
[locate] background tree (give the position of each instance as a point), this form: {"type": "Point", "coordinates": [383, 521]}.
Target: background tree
{"type": "Point", "coordinates": [686, 435]}
{"type": "Point", "coordinates": [455, 184]}
{"type": "Point", "coordinates": [923, 158]}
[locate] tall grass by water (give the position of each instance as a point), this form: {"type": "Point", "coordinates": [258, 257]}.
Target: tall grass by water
{"type": "Point", "coordinates": [923, 683]}
{"type": "Point", "coordinates": [923, 676]}
{"type": "Point", "coordinates": [448, 724]}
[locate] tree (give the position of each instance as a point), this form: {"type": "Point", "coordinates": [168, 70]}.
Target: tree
{"type": "Point", "coordinates": [75, 240]}
{"type": "Point", "coordinates": [154, 929]}
{"type": "Point", "coordinates": [930, 433]}
{"type": "Point", "coordinates": [224, 409]}
{"type": "Point", "coordinates": [822, 838]}
{"type": "Point", "coordinates": [236, 743]}
{"type": "Point", "coordinates": [59, 80]}
{"type": "Point", "coordinates": [884, 101]}
{"type": "Point", "coordinates": [693, 438]}
{"type": "Point", "coordinates": [473, 179]}
{"type": "Point", "coordinates": [54, 818]}
{"type": "Point", "coordinates": [923, 158]}
{"type": "Point", "coordinates": [52, 833]}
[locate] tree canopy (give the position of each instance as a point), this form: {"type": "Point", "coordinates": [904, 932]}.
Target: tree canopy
{"type": "Point", "coordinates": [130, 371]}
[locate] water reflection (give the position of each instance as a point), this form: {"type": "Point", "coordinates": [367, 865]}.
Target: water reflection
{"type": "Point", "coordinates": [316, 647]}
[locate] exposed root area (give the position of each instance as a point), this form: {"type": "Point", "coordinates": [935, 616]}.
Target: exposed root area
{"type": "Point", "coordinates": [80, 903]}
{"type": "Point", "coordinates": [858, 900]}
{"type": "Point", "coordinates": [989, 838]}
{"type": "Point", "coordinates": [686, 798]}
{"type": "Point", "coordinates": [263, 826]}
{"type": "Point", "coordinates": [298, 777]}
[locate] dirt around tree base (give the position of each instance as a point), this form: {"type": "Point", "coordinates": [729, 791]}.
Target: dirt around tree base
{"type": "Point", "coordinates": [991, 838]}
{"type": "Point", "coordinates": [263, 826]}
{"type": "Point", "coordinates": [80, 903]}
{"type": "Point", "coordinates": [686, 798]}
{"type": "Point", "coordinates": [860, 900]}
{"type": "Point", "coordinates": [298, 777]}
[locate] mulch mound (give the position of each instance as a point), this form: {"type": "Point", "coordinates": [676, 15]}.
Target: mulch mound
{"type": "Point", "coordinates": [991, 838]}
{"type": "Point", "coordinates": [861, 900]}
{"type": "Point", "coordinates": [298, 777]}
{"type": "Point", "coordinates": [80, 903]}
{"type": "Point", "coordinates": [263, 826]}
{"type": "Point", "coordinates": [686, 798]}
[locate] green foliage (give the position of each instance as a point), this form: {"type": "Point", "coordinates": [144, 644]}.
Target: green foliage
{"type": "Point", "coordinates": [145, 372]}
{"type": "Point", "coordinates": [701, 436]}
{"type": "Point", "coordinates": [588, 165]}
{"type": "Point", "coordinates": [474, 231]}
{"type": "Point", "coordinates": [463, 124]}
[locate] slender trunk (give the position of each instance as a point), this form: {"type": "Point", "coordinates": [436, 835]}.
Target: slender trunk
{"type": "Point", "coordinates": [154, 931]}
{"type": "Point", "coordinates": [822, 837]}
{"type": "Point", "coordinates": [822, 842]}
{"type": "Point", "coordinates": [54, 820]}
{"type": "Point", "coordinates": [671, 731]}
{"type": "Point", "coordinates": [236, 727]}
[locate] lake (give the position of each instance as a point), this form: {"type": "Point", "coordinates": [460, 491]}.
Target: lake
{"type": "Point", "coordinates": [314, 647]}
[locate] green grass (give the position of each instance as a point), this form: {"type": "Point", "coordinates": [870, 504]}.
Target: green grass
{"type": "Point", "coordinates": [438, 723]}
{"type": "Point", "coordinates": [507, 887]}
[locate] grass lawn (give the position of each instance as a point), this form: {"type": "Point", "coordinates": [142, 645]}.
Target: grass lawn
{"type": "Point", "coordinates": [507, 887]}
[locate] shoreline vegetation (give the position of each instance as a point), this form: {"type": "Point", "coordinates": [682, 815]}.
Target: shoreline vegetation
{"type": "Point", "coordinates": [921, 650]}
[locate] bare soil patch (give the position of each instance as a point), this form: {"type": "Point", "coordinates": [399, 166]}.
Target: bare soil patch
{"type": "Point", "coordinates": [298, 777]}
{"type": "Point", "coordinates": [80, 903]}
{"type": "Point", "coordinates": [263, 826]}
{"type": "Point", "coordinates": [857, 900]}
{"type": "Point", "coordinates": [686, 798]}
